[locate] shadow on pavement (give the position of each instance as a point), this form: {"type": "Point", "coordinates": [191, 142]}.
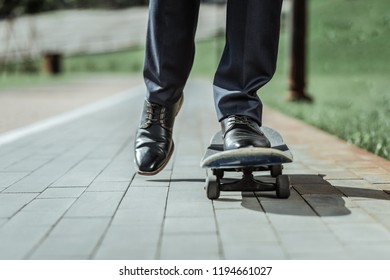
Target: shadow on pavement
{"type": "Point", "coordinates": [311, 195]}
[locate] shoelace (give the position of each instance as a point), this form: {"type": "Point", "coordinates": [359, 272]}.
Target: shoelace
{"type": "Point", "coordinates": [233, 121]}
{"type": "Point", "coordinates": [239, 120]}
{"type": "Point", "coordinates": [155, 114]}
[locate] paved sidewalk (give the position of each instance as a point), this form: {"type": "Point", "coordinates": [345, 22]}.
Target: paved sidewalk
{"type": "Point", "coordinates": [70, 192]}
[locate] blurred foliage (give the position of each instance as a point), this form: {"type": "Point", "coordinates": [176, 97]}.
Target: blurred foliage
{"type": "Point", "coordinates": [20, 7]}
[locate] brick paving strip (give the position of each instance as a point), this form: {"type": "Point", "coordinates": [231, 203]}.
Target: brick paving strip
{"type": "Point", "coordinates": [71, 192]}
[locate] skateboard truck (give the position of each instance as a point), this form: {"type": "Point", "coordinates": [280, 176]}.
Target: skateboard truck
{"type": "Point", "coordinates": [248, 183]}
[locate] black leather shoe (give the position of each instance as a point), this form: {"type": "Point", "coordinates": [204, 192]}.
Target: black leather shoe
{"type": "Point", "coordinates": [242, 132]}
{"type": "Point", "coordinates": [153, 141]}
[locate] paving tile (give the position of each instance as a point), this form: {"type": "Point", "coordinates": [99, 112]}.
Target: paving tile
{"type": "Point", "coordinates": [382, 218]}
{"type": "Point", "coordinates": [294, 207]}
{"type": "Point", "coordinates": [361, 164]}
{"type": "Point", "coordinates": [189, 225]}
{"type": "Point", "coordinates": [295, 197]}
{"type": "Point", "coordinates": [144, 198]}
{"type": "Point", "coordinates": [191, 173]}
{"type": "Point", "coordinates": [29, 164]}
{"type": "Point", "coordinates": [334, 253]}
{"type": "Point", "coordinates": [189, 209]}
{"type": "Point", "coordinates": [248, 233]}
{"type": "Point", "coordinates": [378, 178]}
{"type": "Point", "coordinates": [106, 151]}
{"type": "Point", "coordinates": [11, 203]}
{"type": "Point", "coordinates": [251, 202]}
{"type": "Point", "coordinates": [73, 192]}
{"type": "Point", "coordinates": [254, 225]}
{"type": "Point", "coordinates": [82, 174]}
{"type": "Point", "coordinates": [78, 227]}
{"type": "Point", "coordinates": [342, 174]}
{"type": "Point", "coordinates": [351, 183]}
{"type": "Point", "coordinates": [304, 179]}
{"type": "Point", "coordinates": [327, 201]}
{"type": "Point", "coordinates": [369, 251]}
{"type": "Point", "coordinates": [3, 221]}
{"type": "Point", "coordinates": [117, 171]}
{"type": "Point", "coordinates": [324, 167]}
{"type": "Point", "coordinates": [95, 204]}
{"type": "Point", "coordinates": [360, 232]}
{"type": "Point", "coordinates": [15, 244]}
{"type": "Point", "coordinates": [129, 243]}
{"type": "Point", "coordinates": [13, 155]}
{"type": "Point", "coordinates": [330, 205]}
{"type": "Point", "coordinates": [384, 187]}
{"type": "Point", "coordinates": [65, 248]}
{"type": "Point", "coordinates": [32, 183]}
{"type": "Point", "coordinates": [326, 189]}
{"type": "Point", "coordinates": [364, 193]}
{"type": "Point", "coordinates": [33, 219]}
{"type": "Point", "coordinates": [374, 205]}
{"type": "Point", "coordinates": [309, 242]}
{"type": "Point", "coordinates": [355, 215]}
{"type": "Point", "coordinates": [369, 171]}
{"type": "Point", "coordinates": [52, 205]}
{"type": "Point", "coordinates": [40, 179]}
{"type": "Point", "coordinates": [189, 247]}
{"type": "Point", "coordinates": [72, 237]}
{"type": "Point", "coordinates": [8, 178]}
{"type": "Point", "coordinates": [139, 217]}
{"type": "Point", "coordinates": [101, 186]}
{"type": "Point", "coordinates": [283, 223]}
{"type": "Point", "coordinates": [228, 202]}
{"type": "Point", "coordinates": [139, 181]}
{"type": "Point", "coordinates": [188, 191]}
{"type": "Point", "coordinates": [332, 211]}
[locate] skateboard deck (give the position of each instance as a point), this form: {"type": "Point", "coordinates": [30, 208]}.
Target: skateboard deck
{"type": "Point", "coordinates": [247, 161]}
{"type": "Point", "coordinates": [216, 157]}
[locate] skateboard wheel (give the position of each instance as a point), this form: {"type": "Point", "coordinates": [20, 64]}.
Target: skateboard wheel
{"type": "Point", "coordinates": [212, 187]}
{"type": "Point", "coordinates": [283, 186]}
{"type": "Point", "coordinates": [276, 170]}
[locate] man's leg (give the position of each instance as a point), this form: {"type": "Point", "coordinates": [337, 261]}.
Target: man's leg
{"type": "Point", "coordinates": [168, 60]}
{"type": "Point", "coordinates": [170, 48]}
{"type": "Point", "coordinates": [248, 63]}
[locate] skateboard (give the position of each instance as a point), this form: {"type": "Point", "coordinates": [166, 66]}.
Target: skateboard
{"type": "Point", "coordinates": [247, 160]}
